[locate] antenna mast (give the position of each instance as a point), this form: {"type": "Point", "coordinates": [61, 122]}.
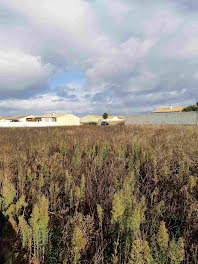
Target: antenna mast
{"type": "Point", "coordinates": [108, 107]}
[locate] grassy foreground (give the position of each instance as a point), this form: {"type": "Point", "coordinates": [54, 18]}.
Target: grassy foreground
{"type": "Point", "coordinates": [99, 195]}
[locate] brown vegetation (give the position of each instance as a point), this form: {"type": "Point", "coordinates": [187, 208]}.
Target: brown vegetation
{"type": "Point", "coordinates": [99, 195]}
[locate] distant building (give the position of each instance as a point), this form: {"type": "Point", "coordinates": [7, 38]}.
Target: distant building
{"type": "Point", "coordinates": [98, 118]}
{"type": "Point", "coordinates": [90, 118]}
{"type": "Point", "coordinates": [114, 119]}
{"type": "Point", "coordinates": [170, 109]}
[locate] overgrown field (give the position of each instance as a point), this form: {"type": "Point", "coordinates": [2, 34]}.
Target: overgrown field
{"type": "Point", "coordinates": [99, 195]}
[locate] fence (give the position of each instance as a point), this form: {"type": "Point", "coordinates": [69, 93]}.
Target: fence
{"type": "Point", "coordinates": [182, 118]}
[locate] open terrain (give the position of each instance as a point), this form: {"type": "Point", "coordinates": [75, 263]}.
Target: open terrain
{"type": "Point", "coordinates": [99, 195]}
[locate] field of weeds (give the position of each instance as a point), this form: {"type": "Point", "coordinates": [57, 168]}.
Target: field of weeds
{"type": "Point", "coordinates": [99, 195]}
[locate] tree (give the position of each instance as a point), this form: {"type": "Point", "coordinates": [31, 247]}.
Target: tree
{"type": "Point", "coordinates": [190, 108]}
{"type": "Point", "coordinates": [105, 115]}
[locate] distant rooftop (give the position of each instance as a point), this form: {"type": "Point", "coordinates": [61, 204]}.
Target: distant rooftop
{"type": "Point", "coordinates": [100, 116]}
{"type": "Point", "coordinates": [53, 115]}
{"type": "Point", "coordinates": [12, 117]}
{"type": "Point", "coordinates": [170, 109]}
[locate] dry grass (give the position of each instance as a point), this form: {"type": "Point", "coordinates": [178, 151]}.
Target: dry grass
{"type": "Point", "coordinates": [109, 187]}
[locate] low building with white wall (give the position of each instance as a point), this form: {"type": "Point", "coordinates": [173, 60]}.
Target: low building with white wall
{"type": "Point", "coordinates": [40, 121]}
{"type": "Point", "coordinates": [15, 118]}
{"type": "Point", "coordinates": [57, 119]}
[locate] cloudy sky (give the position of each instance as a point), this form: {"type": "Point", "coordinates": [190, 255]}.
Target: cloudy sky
{"type": "Point", "coordinates": [80, 56]}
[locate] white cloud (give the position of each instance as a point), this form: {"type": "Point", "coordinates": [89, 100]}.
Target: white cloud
{"type": "Point", "coordinates": [195, 75]}
{"type": "Point", "coordinates": [161, 23]}
{"type": "Point", "coordinates": [129, 49]}
{"type": "Point", "coordinates": [117, 10]}
{"type": "Point", "coordinates": [182, 47]}
{"type": "Point", "coordinates": [142, 82]}
{"type": "Point", "coordinates": [20, 71]}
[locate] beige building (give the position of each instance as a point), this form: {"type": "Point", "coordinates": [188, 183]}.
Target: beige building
{"type": "Point", "coordinates": [90, 118]}
{"type": "Point", "coordinates": [58, 119]}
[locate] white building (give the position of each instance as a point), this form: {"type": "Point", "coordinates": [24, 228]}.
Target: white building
{"type": "Point", "coordinates": [98, 118]}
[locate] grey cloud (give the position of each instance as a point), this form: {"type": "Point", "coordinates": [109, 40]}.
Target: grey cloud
{"type": "Point", "coordinates": [10, 17]}
{"type": "Point", "coordinates": [58, 100]}
{"type": "Point", "coordinates": [66, 92]}
{"type": "Point", "coordinates": [99, 97]}
{"type": "Point", "coordinates": [87, 96]}
{"type": "Point", "coordinates": [187, 5]}
{"type": "Point", "coordinates": [38, 89]}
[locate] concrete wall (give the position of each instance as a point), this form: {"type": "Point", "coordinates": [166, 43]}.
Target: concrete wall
{"type": "Point", "coordinates": [183, 118]}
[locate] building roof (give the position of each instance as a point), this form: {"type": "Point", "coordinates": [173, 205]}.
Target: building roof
{"type": "Point", "coordinates": [169, 109]}
{"type": "Point", "coordinates": [2, 117]}
{"type": "Point", "coordinates": [100, 116]}
{"type": "Point", "coordinates": [52, 115]}
{"type": "Point", "coordinates": [96, 116]}
{"type": "Point", "coordinates": [110, 117]}
{"type": "Point", "coordinates": [13, 117]}
{"type": "Point", "coordinates": [121, 117]}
